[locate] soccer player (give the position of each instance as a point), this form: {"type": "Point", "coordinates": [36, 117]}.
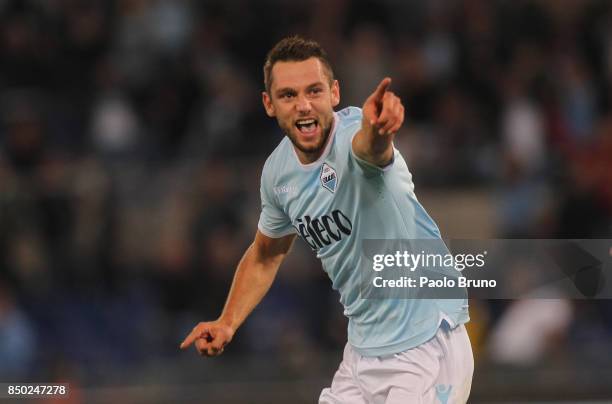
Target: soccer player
{"type": "Point", "coordinates": [334, 180]}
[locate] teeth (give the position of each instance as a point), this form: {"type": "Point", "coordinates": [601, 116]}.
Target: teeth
{"type": "Point", "coordinates": [306, 122]}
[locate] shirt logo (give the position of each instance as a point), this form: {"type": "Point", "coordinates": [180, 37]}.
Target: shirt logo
{"type": "Point", "coordinates": [329, 178]}
{"type": "Point", "coordinates": [285, 189]}
{"type": "Point", "coordinates": [322, 231]}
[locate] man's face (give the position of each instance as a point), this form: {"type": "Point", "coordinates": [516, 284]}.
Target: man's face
{"type": "Point", "coordinates": [302, 101]}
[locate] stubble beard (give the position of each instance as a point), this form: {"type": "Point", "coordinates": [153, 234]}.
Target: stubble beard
{"type": "Point", "coordinates": [317, 148]}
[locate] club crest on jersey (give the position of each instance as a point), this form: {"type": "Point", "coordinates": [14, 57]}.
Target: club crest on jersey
{"type": "Point", "coordinates": [329, 178]}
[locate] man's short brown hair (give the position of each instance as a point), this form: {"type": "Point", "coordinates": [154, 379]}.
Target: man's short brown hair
{"type": "Point", "coordinates": [295, 49]}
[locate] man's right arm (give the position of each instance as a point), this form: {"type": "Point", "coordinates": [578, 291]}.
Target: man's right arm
{"type": "Point", "coordinates": [252, 280]}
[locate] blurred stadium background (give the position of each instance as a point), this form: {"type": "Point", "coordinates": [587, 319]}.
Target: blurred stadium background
{"type": "Point", "coordinates": [131, 142]}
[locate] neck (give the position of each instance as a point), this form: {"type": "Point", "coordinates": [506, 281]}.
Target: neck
{"type": "Point", "coordinates": [307, 158]}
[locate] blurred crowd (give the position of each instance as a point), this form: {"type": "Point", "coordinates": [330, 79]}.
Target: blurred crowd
{"type": "Point", "coordinates": [132, 138]}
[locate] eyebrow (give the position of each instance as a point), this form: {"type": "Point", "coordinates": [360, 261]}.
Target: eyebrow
{"type": "Point", "coordinates": [289, 89]}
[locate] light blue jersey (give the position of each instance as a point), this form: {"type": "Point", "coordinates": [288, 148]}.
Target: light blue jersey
{"type": "Point", "coordinates": [335, 203]}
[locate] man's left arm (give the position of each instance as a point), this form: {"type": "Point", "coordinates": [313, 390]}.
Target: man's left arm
{"type": "Point", "coordinates": [383, 115]}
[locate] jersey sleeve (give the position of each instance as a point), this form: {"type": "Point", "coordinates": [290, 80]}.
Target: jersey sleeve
{"type": "Point", "coordinates": [273, 222]}
{"type": "Point", "coordinates": [367, 168]}
{"type": "Point", "coordinates": [351, 121]}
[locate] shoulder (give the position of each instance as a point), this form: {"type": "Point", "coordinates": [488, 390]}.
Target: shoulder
{"type": "Point", "coordinates": [276, 160]}
{"type": "Point", "coordinates": [349, 116]}
{"type": "Point", "coordinates": [348, 121]}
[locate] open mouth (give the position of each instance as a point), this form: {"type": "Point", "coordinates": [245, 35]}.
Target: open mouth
{"type": "Point", "coordinates": [307, 126]}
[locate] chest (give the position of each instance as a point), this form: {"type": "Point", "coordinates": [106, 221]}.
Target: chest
{"type": "Point", "coordinates": [319, 203]}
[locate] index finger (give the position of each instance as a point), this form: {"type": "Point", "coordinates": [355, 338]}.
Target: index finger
{"type": "Point", "coordinates": [381, 89]}
{"type": "Point", "coordinates": [193, 335]}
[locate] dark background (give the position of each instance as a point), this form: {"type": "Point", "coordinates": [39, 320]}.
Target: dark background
{"type": "Point", "coordinates": [132, 137]}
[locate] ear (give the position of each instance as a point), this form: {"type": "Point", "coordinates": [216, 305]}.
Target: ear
{"type": "Point", "coordinates": [267, 102]}
{"type": "Point", "coordinates": [335, 93]}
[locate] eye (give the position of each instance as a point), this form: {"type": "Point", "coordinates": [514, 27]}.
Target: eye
{"type": "Point", "coordinates": [315, 90]}
{"type": "Point", "coordinates": [287, 96]}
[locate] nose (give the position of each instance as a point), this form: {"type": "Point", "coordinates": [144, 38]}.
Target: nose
{"type": "Point", "coordinates": [303, 104]}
